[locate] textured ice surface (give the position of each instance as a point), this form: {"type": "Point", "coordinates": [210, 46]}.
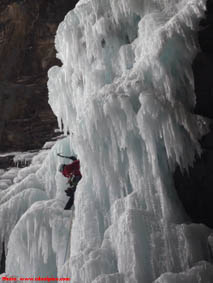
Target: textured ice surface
{"type": "Point", "coordinates": [201, 272]}
{"type": "Point", "coordinates": [12, 210]}
{"type": "Point", "coordinates": [39, 231]}
{"type": "Point", "coordinates": [125, 93]}
{"type": "Point", "coordinates": [10, 174]}
{"type": "Point", "coordinates": [7, 177]}
{"type": "Point", "coordinates": [41, 235]}
{"type": "Point", "coordinates": [24, 157]}
{"type": "Point", "coordinates": [20, 188]}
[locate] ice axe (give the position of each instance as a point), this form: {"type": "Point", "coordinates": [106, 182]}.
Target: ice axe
{"type": "Point", "coordinates": [68, 157]}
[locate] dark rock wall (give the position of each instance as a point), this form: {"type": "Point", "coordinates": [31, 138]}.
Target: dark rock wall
{"type": "Point", "coordinates": [27, 32]}
{"type": "Point", "coordinates": [196, 188]}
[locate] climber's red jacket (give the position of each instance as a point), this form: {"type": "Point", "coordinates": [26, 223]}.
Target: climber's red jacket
{"type": "Point", "coordinates": [72, 169]}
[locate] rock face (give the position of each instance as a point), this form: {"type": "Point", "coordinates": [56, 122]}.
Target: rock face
{"type": "Point", "coordinates": [27, 31]}
{"type": "Point", "coordinates": [196, 188]}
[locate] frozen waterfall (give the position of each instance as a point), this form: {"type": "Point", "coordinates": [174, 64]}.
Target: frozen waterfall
{"type": "Point", "coordinates": [125, 93]}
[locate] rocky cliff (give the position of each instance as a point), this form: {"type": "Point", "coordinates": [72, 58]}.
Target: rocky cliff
{"type": "Point", "coordinates": [27, 31]}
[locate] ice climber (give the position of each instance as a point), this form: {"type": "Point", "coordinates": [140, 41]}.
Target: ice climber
{"type": "Point", "coordinates": [72, 172]}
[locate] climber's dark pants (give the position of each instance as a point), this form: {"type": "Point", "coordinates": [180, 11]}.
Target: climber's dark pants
{"type": "Point", "coordinates": [71, 192]}
{"type": "Point", "coordinates": [71, 199]}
